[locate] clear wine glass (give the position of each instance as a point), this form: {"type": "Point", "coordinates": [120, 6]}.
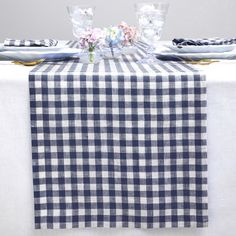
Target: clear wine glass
{"type": "Point", "coordinates": [81, 17]}
{"type": "Point", "coordinates": [151, 18]}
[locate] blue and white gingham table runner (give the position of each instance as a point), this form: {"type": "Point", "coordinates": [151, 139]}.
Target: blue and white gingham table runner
{"type": "Point", "coordinates": [118, 144]}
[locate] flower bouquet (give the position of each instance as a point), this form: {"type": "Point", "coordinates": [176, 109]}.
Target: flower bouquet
{"type": "Point", "coordinates": [113, 40]}
{"type": "Point", "coordinates": [130, 36]}
{"type": "Point", "coordinates": [91, 40]}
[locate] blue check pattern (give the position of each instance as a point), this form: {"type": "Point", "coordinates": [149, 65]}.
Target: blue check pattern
{"type": "Point", "coordinates": [203, 42]}
{"type": "Point", "coordinates": [30, 43]}
{"type": "Point", "coordinates": [118, 144]}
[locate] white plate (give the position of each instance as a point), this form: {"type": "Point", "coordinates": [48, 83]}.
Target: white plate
{"type": "Point", "coordinates": [202, 49]}
{"type": "Point", "coordinates": [59, 46]}
{"type": "Point", "coordinates": [28, 56]}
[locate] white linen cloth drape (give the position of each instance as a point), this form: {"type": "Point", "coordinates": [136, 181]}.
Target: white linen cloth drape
{"type": "Point", "coordinates": [16, 195]}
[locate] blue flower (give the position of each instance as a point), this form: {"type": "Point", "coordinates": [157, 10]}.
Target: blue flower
{"type": "Point", "coordinates": [114, 36]}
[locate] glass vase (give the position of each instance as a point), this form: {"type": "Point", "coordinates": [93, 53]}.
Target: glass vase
{"type": "Point", "coordinates": [81, 17]}
{"type": "Point", "coordinates": [129, 50]}
{"type": "Point", "coordinates": [90, 57]}
{"type": "Point", "coordinates": [111, 53]}
{"type": "Point", "coordinates": [151, 18]}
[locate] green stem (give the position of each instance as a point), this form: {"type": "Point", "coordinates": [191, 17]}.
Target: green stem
{"type": "Point", "coordinates": [91, 54]}
{"type": "Point", "coordinates": [91, 57]}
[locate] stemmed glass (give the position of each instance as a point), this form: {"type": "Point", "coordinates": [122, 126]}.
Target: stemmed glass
{"type": "Point", "coordinates": [81, 18]}
{"type": "Point", "coordinates": [151, 18]}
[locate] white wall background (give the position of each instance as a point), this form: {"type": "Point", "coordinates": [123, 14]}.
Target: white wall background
{"type": "Point", "coordinates": [48, 18]}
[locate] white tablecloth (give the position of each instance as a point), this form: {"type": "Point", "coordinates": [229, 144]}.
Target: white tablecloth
{"type": "Point", "coordinates": [16, 194]}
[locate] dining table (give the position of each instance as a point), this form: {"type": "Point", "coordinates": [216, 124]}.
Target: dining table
{"type": "Point", "coordinates": [16, 187]}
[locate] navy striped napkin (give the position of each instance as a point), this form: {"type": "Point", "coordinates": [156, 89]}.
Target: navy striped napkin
{"type": "Point", "coordinates": [202, 42]}
{"type": "Point", "coordinates": [30, 43]}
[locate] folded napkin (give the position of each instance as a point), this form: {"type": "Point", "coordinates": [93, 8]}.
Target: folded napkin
{"type": "Point", "coordinates": [202, 42]}
{"type": "Point", "coordinates": [30, 43]}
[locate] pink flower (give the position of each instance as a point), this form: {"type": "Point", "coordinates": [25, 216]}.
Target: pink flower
{"type": "Point", "coordinates": [91, 38]}
{"type": "Point", "coordinates": [129, 32]}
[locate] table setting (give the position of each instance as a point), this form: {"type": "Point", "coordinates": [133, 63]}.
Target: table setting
{"type": "Point", "coordinates": [116, 131]}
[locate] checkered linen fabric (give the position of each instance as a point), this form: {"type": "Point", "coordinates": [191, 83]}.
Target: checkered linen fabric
{"type": "Point", "coordinates": [118, 144]}
{"type": "Point", "coordinates": [30, 43]}
{"type": "Point", "coordinates": [203, 42]}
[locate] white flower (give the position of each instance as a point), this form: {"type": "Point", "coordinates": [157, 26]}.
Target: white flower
{"type": "Point", "coordinates": [147, 8]}
{"type": "Point", "coordinates": [89, 11]}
